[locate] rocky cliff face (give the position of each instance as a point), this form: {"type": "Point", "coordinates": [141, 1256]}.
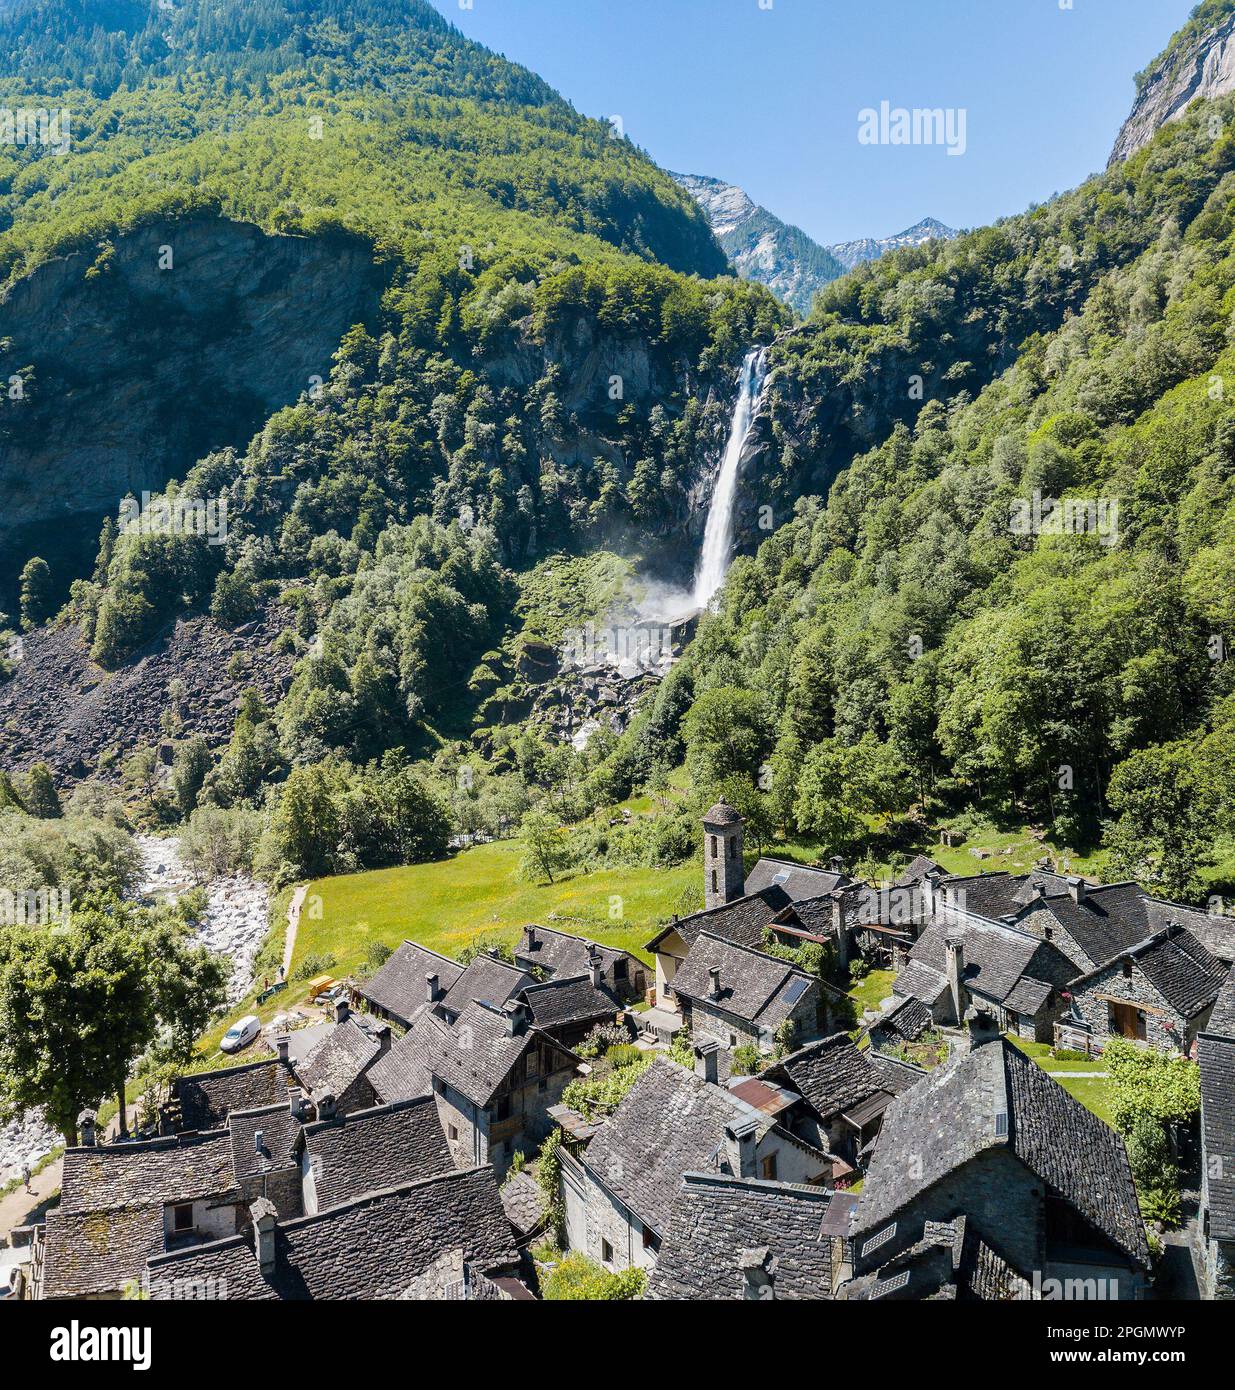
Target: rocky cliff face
{"type": "Point", "coordinates": [760, 246]}
{"type": "Point", "coordinates": [137, 356]}
{"type": "Point", "coordinates": [1200, 63]}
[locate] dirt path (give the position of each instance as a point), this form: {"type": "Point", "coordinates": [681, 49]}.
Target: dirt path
{"type": "Point", "coordinates": [21, 1208]}
{"type": "Point", "coordinates": [293, 922]}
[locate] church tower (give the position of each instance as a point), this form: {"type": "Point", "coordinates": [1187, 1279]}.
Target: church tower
{"type": "Point", "coordinates": [724, 878]}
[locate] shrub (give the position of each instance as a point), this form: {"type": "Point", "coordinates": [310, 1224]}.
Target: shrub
{"type": "Point", "coordinates": [577, 1278]}
{"type": "Point", "coordinates": [315, 964]}
{"type": "Point", "coordinates": [746, 1060]}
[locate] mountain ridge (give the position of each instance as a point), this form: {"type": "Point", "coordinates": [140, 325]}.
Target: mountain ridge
{"type": "Point", "coordinates": [791, 263]}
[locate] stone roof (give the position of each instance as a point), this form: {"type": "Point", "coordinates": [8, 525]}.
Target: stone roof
{"type": "Point", "coordinates": [742, 920]}
{"type": "Point", "coordinates": [916, 980]}
{"type": "Point", "coordinates": [798, 880]}
{"type": "Point", "coordinates": [721, 813]}
{"type": "Point", "coordinates": [831, 1075]}
{"type": "Point", "coordinates": [112, 1200]}
{"type": "Point", "coordinates": [563, 1000]}
{"type": "Point", "coordinates": [379, 1148]}
{"type": "Point", "coordinates": [757, 988]}
{"type": "Point", "coordinates": [1217, 1058]}
{"type": "Point", "coordinates": [399, 986]}
{"type": "Point", "coordinates": [669, 1123]}
{"type": "Point", "coordinates": [524, 1203]}
{"type": "Point", "coordinates": [1027, 996]}
{"type": "Point", "coordinates": [894, 1075]}
{"type": "Point", "coordinates": [915, 871]}
{"type": "Point", "coordinates": [404, 1071]}
{"type": "Point", "coordinates": [559, 953]}
{"type": "Point", "coordinates": [154, 1172]}
{"type": "Point", "coordinates": [372, 1248]}
{"type": "Point", "coordinates": [908, 1020]}
{"type": "Point", "coordinates": [98, 1252]}
{"type": "Point", "coordinates": [476, 1054]}
{"type": "Point", "coordinates": [718, 1220]}
{"type": "Point", "coordinates": [1180, 968]}
{"type": "Point", "coordinates": [488, 979]}
{"type": "Point", "coordinates": [280, 1131]}
{"type": "Point", "coordinates": [994, 1096]}
{"type": "Point", "coordinates": [995, 956]}
{"type": "Point", "coordinates": [340, 1058]}
{"type": "Point", "coordinates": [1222, 1020]}
{"type": "Point", "coordinates": [206, 1098]}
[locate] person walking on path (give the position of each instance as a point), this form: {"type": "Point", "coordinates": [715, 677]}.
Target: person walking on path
{"type": "Point", "coordinates": [25, 1177]}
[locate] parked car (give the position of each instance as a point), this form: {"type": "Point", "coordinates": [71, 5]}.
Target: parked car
{"type": "Point", "coordinates": [241, 1034]}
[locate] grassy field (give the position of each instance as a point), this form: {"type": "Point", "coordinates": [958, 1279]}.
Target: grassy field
{"type": "Point", "coordinates": [479, 892]}
{"type": "Point", "coordinates": [1093, 1092]}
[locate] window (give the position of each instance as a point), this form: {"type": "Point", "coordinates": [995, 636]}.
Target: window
{"type": "Point", "coordinates": [1127, 969]}
{"type": "Point", "coordinates": [606, 1252]}
{"type": "Point", "coordinates": [651, 1241]}
{"type": "Point", "coordinates": [452, 1131]}
{"type": "Point", "coordinates": [767, 1168]}
{"type": "Point", "coordinates": [713, 839]}
{"type": "Point", "coordinates": [619, 969]}
{"type": "Point", "coordinates": [182, 1218]}
{"type": "Point", "coordinates": [713, 880]}
{"type": "Point", "coordinates": [543, 1084]}
{"type": "Point", "coordinates": [503, 1108]}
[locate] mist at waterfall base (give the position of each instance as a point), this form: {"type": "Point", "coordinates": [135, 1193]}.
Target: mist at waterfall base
{"type": "Point", "coordinates": [654, 600]}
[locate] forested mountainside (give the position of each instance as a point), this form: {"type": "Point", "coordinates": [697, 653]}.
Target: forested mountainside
{"type": "Point", "coordinates": [544, 370]}
{"type": "Point", "coordinates": [325, 120]}
{"type": "Point", "coordinates": [760, 246]}
{"type": "Point", "coordinates": [905, 639]}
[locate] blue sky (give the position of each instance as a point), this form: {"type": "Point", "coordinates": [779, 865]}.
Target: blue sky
{"type": "Point", "coordinates": [768, 98]}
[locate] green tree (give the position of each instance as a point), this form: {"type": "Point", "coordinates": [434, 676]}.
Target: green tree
{"type": "Point", "coordinates": [36, 593]}
{"type": "Point", "coordinates": [40, 796]}
{"type": "Point", "coordinates": [190, 768]}
{"type": "Point", "coordinates": [543, 848]}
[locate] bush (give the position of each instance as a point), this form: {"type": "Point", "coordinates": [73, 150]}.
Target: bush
{"type": "Point", "coordinates": [313, 965]}
{"type": "Point", "coordinates": [625, 1055]}
{"type": "Point", "coordinates": [576, 1278]}
{"type": "Point", "coordinates": [746, 1060]}
{"type": "Point", "coordinates": [601, 1039]}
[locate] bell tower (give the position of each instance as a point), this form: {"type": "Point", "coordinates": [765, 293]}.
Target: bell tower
{"type": "Point", "coordinates": [724, 877]}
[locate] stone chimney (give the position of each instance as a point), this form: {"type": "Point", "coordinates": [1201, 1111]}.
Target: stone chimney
{"type": "Point", "coordinates": [433, 989]}
{"type": "Point", "coordinates": [1076, 889]}
{"type": "Point", "coordinates": [531, 938]}
{"type": "Point", "coordinates": [382, 1034]}
{"type": "Point", "coordinates": [342, 1010]}
{"type": "Point", "coordinates": [86, 1129]}
{"type": "Point", "coordinates": [758, 1273]}
{"type": "Point", "coordinates": [516, 1017]}
{"type": "Point", "coordinates": [595, 967]}
{"type": "Point", "coordinates": [740, 1140]}
{"type": "Point", "coordinates": [838, 926]}
{"type": "Point", "coordinates": [295, 1101]}
{"type": "Point", "coordinates": [983, 1027]}
{"type": "Point", "coordinates": [714, 982]}
{"type": "Point", "coordinates": [836, 864]}
{"type": "Point", "coordinates": [956, 983]}
{"type": "Point", "coordinates": [265, 1220]}
{"type": "Point", "coordinates": [282, 1044]}
{"type": "Point", "coordinates": [326, 1104]}
{"type": "Point", "coordinates": [706, 1065]}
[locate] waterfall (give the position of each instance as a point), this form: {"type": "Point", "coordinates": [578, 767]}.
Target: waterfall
{"type": "Point", "coordinates": [718, 534]}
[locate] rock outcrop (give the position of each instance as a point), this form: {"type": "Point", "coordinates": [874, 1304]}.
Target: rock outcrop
{"type": "Point", "coordinates": [142, 354]}
{"type": "Point", "coordinates": [61, 708]}
{"type": "Point", "coordinates": [1198, 64]}
{"type": "Point", "coordinates": [760, 246]}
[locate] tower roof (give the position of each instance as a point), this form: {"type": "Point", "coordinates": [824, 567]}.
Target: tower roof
{"type": "Point", "coordinates": [722, 814]}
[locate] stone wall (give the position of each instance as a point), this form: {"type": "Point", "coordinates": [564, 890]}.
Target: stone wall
{"type": "Point", "coordinates": [1165, 1029]}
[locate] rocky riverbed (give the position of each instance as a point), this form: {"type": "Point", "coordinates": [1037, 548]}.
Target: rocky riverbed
{"type": "Point", "coordinates": [234, 924]}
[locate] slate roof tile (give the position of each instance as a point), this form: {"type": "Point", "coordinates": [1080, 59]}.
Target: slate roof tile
{"type": "Point", "coordinates": [372, 1248]}
{"type": "Point", "coordinates": [399, 986]}
{"type": "Point", "coordinates": [716, 1219]}
{"type": "Point", "coordinates": [370, 1149]}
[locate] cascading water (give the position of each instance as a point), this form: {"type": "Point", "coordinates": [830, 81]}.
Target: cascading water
{"type": "Point", "coordinates": [718, 533]}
